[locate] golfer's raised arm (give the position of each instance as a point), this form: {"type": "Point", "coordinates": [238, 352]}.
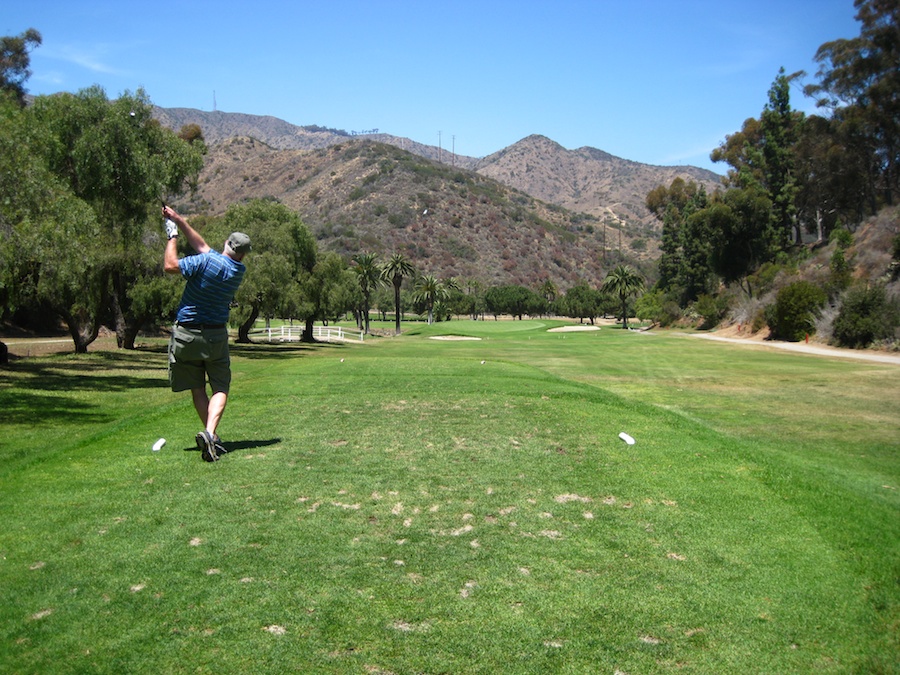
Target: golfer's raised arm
{"type": "Point", "coordinates": [194, 240]}
{"type": "Point", "coordinates": [170, 260]}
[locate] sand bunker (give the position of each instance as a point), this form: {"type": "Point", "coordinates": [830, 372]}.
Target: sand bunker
{"type": "Point", "coordinates": [573, 329]}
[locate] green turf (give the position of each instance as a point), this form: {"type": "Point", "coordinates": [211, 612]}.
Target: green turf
{"type": "Point", "coordinates": [411, 509]}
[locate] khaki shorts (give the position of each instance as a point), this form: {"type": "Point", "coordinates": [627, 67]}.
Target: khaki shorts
{"type": "Point", "coordinates": [196, 354]}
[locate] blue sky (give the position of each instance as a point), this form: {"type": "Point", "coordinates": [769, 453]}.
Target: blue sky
{"type": "Point", "coordinates": [654, 81]}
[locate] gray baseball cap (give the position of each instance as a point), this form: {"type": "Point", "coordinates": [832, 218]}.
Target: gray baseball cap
{"type": "Point", "coordinates": [238, 242]}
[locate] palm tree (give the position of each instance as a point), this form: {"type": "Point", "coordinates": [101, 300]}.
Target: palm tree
{"type": "Point", "coordinates": [397, 268]}
{"type": "Point", "coordinates": [368, 274]}
{"type": "Point", "coordinates": [472, 289]}
{"type": "Point", "coordinates": [548, 292]}
{"type": "Point", "coordinates": [624, 282]}
{"type": "Point", "coordinates": [429, 291]}
{"type": "Point", "coordinates": [452, 284]}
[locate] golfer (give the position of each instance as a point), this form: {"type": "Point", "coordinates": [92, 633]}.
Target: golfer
{"type": "Point", "coordinates": [198, 349]}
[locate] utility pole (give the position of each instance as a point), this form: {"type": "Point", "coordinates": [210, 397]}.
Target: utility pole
{"type": "Point", "coordinates": [604, 241]}
{"type": "Point", "coordinates": [440, 149]}
{"type": "Point", "coordinates": [454, 149]}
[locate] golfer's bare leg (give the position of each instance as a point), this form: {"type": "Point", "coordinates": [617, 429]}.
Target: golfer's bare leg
{"type": "Point", "coordinates": [214, 410]}
{"type": "Point", "coordinates": [209, 410]}
{"type": "Point", "coordinates": [201, 404]}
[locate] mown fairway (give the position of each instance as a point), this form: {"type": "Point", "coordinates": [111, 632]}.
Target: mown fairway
{"type": "Point", "coordinates": [411, 509]}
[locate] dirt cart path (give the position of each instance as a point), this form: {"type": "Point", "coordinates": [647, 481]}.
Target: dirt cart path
{"type": "Point", "coordinates": [804, 348]}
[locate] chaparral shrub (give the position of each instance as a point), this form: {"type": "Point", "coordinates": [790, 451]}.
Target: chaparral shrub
{"type": "Point", "coordinates": [711, 309]}
{"type": "Point", "coordinates": [792, 316]}
{"type": "Point", "coordinates": [866, 316]}
{"type": "Point", "coordinates": [842, 237]}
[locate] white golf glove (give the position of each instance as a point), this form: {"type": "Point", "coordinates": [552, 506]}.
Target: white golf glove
{"type": "Point", "coordinates": [171, 228]}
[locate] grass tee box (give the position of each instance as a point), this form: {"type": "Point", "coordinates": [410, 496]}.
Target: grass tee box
{"type": "Point", "coordinates": [413, 505]}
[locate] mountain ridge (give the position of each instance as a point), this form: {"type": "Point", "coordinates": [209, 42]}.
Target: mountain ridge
{"type": "Point", "coordinates": [587, 180]}
{"type": "Point", "coordinates": [597, 182]}
{"type": "Point", "coordinates": [529, 212]}
{"type": "Point", "coordinates": [219, 126]}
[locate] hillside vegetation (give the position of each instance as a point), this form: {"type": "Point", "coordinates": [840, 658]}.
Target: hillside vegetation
{"type": "Point", "coordinates": [361, 195]}
{"type": "Point", "coordinates": [586, 180]}
{"type": "Point", "coordinates": [529, 212]}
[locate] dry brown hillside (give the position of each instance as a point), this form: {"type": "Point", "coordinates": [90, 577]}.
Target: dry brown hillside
{"type": "Point", "coordinates": [586, 180]}
{"type": "Point", "coordinates": [221, 126]}
{"type": "Point", "coordinates": [362, 196]}
{"type": "Point", "coordinates": [530, 212]}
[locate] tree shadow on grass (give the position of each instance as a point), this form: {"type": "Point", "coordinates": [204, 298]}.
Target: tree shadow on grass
{"type": "Point", "coordinates": [279, 351]}
{"type": "Point", "coordinates": [37, 391]}
{"type": "Point", "coordinates": [32, 409]}
{"type": "Point", "coordinates": [110, 371]}
{"type": "Point", "coordinates": [94, 375]}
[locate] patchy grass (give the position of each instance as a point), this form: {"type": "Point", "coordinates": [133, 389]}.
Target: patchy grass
{"type": "Point", "coordinates": [413, 505]}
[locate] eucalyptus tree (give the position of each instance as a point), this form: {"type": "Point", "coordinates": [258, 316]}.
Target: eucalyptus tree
{"type": "Point", "coordinates": [46, 262]}
{"type": "Point", "coordinates": [383, 301]}
{"type": "Point", "coordinates": [369, 276]}
{"type": "Point", "coordinates": [283, 251]}
{"type": "Point", "coordinates": [328, 290]}
{"type": "Point", "coordinates": [515, 300]}
{"type": "Point", "coordinates": [473, 300]}
{"type": "Point", "coordinates": [397, 269]}
{"type": "Point", "coordinates": [623, 282]}
{"type": "Point", "coordinates": [107, 164]}
{"type": "Point", "coordinates": [739, 232]}
{"type": "Point", "coordinates": [582, 302]}
{"type": "Point", "coordinates": [858, 80]}
{"type": "Point", "coordinates": [15, 60]}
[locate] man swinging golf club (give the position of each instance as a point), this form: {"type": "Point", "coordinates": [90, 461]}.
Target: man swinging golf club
{"type": "Point", "coordinates": [198, 348]}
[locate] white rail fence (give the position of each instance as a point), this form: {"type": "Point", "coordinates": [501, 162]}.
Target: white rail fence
{"type": "Point", "coordinates": [294, 333]}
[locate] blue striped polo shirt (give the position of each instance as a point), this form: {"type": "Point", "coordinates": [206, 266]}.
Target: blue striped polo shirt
{"type": "Point", "coordinates": [212, 281]}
